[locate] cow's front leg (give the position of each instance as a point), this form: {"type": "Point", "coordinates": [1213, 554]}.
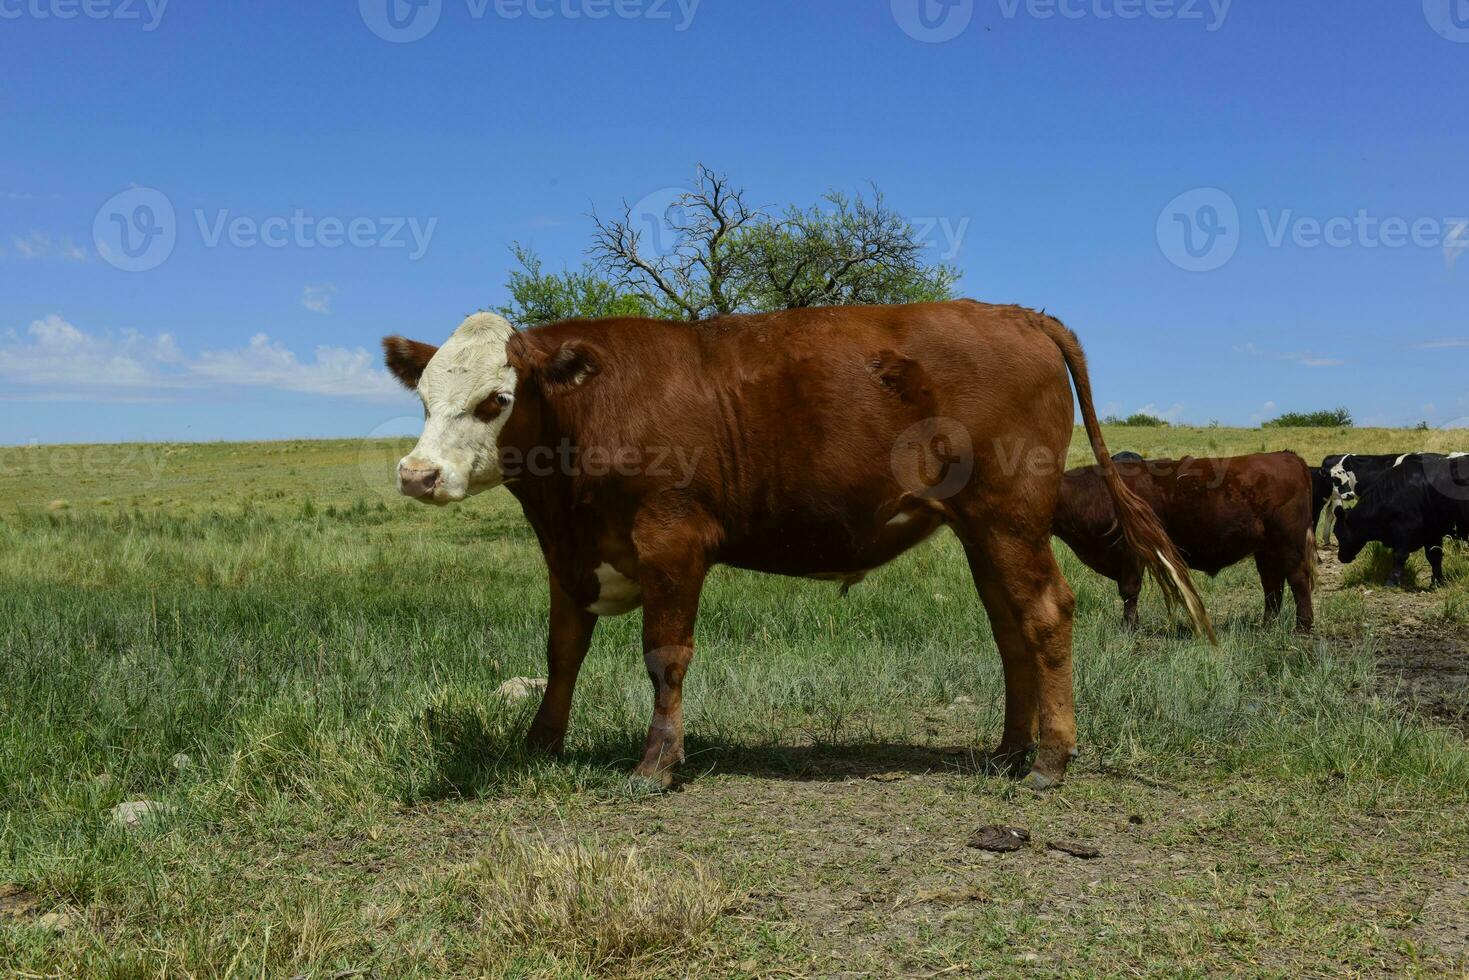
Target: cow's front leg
{"type": "Point", "coordinates": [571, 635]}
{"type": "Point", "coordinates": [671, 584]}
{"type": "Point", "coordinates": [1399, 559]}
{"type": "Point", "coordinates": [1434, 553]}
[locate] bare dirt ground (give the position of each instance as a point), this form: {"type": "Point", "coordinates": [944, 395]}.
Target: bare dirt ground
{"type": "Point", "coordinates": [1423, 660]}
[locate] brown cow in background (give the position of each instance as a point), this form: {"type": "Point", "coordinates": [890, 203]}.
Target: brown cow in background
{"type": "Point", "coordinates": [1218, 512]}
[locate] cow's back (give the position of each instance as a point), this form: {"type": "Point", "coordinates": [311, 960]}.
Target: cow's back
{"type": "Point", "coordinates": [795, 417]}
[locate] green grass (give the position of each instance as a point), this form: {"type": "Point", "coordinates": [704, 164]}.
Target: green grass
{"type": "Point", "coordinates": [354, 796]}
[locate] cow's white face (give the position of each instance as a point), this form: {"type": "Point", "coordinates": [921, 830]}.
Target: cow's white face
{"type": "Point", "coordinates": [468, 393]}
{"type": "Point", "coordinates": [1343, 480]}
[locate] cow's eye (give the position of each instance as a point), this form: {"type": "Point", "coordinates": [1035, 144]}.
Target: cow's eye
{"type": "Point", "coordinates": [491, 407]}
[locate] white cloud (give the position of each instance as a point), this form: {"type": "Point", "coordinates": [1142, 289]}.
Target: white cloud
{"type": "Point", "coordinates": [1303, 358]}
{"type": "Point", "coordinates": [16, 196]}
{"type": "Point", "coordinates": [1444, 344]}
{"type": "Point", "coordinates": [54, 360]}
{"type": "Point", "coordinates": [1171, 414]}
{"type": "Point", "coordinates": [318, 298]}
{"type": "Point", "coordinates": [37, 245]}
{"type": "Point", "coordinates": [266, 363]}
{"type": "Point", "coordinates": [1267, 411]}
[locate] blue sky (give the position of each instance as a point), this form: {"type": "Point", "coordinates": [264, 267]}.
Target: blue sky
{"type": "Point", "coordinates": [1069, 156]}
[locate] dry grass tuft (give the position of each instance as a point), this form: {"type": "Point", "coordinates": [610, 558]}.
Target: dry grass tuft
{"type": "Point", "coordinates": [605, 911]}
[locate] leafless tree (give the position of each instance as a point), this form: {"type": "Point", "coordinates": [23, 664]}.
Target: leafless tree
{"type": "Point", "coordinates": [700, 276]}
{"type": "Point", "coordinates": [729, 257]}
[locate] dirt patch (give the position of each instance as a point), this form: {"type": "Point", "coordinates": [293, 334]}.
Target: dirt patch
{"type": "Point", "coordinates": [1422, 663]}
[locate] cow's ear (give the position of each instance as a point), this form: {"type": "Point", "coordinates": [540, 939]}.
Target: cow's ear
{"type": "Point", "coordinates": [569, 366]}
{"type": "Point", "coordinates": [573, 365]}
{"type": "Point", "coordinates": [407, 358]}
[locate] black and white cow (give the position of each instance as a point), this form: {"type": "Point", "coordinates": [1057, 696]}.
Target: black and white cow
{"type": "Point", "coordinates": [1416, 504]}
{"type": "Point", "coordinates": [1341, 477]}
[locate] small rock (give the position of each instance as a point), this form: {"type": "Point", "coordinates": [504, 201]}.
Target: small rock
{"type": "Point", "coordinates": [1001, 840]}
{"type": "Point", "coordinates": [137, 812]}
{"type": "Point", "coordinates": [180, 762]}
{"type": "Point", "coordinates": [1084, 851]}
{"type": "Point", "coordinates": [519, 688]}
{"type": "Point", "coordinates": [960, 701]}
{"type": "Point", "coordinates": [54, 921]}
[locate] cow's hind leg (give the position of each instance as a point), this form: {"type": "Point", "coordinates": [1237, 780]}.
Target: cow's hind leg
{"type": "Point", "coordinates": [1434, 554]}
{"type": "Point", "coordinates": [1030, 608]}
{"type": "Point", "coordinates": [1130, 588]}
{"type": "Point", "coordinates": [1272, 581]}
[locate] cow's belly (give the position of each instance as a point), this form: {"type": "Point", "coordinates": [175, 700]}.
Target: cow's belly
{"type": "Point", "coordinates": [828, 551]}
{"type": "Point", "coordinates": [1211, 550]}
{"type": "Point", "coordinates": [602, 576]}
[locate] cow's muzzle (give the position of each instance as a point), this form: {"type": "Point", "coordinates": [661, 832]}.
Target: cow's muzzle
{"type": "Point", "coordinates": [418, 482]}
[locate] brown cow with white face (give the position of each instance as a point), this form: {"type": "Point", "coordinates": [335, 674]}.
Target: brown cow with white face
{"type": "Point", "coordinates": [819, 443]}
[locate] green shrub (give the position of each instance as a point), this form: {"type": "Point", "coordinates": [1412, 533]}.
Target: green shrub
{"type": "Point", "coordinates": [1138, 419]}
{"type": "Point", "coordinates": [1330, 418]}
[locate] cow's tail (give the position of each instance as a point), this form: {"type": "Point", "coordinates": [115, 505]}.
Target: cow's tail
{"type": "Point", "coordinates": [1141, 529]}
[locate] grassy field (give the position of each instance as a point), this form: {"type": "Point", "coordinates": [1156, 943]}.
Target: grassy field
{"type": "Point", "coordinates": [299, 670]}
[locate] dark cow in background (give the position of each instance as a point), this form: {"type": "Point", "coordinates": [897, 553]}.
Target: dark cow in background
{"type": "Point", "coordinates": [815, 442]}
{"type": "Point", "coordinates": [1342, 477]}
{"type": "Point", "coordinates": [1217, 511]}
{"type": "Point", "coordinates": [1414, 505]}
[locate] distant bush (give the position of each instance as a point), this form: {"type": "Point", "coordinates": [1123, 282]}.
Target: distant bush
{"type": "Point", "coordinates": [1137, 419]}
{"type": "Point", "coordinates": [1333, 418]}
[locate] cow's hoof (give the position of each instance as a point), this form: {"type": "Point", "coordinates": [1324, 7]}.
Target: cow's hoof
{"type": "Point", "coordinates": [1039, 781]}
{"type": "Point", "coordinates": [544, 745]}
{"type": "Point", "coordinates": [650, 784]}
{"type": "Point", "coordinates": [1007, 760]}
